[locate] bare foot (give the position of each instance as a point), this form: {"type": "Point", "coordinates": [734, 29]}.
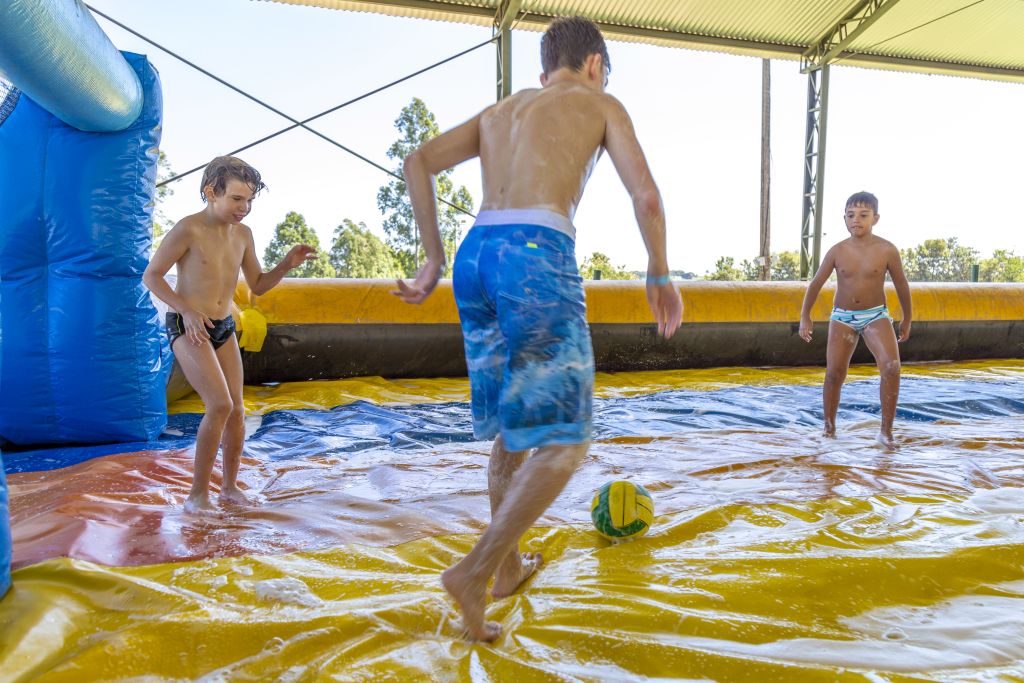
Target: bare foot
{"type": "Point", "coordinates": [470, 598]}
{"type": "Point", "coordinates": [198, 505]}
{"type": "Point", "coordinates": [888, 442]}
{"type": "Point", "coordinates": [830, 430]}
{"type": "Point", "coordinates": [509, 578]}
{"type": "Point", "coordinates": [235, 496]}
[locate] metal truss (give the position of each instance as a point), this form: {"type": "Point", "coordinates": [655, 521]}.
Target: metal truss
{"type": "Point", "coordinates": [814, 170]}
{"type": "Point", "coordinates": [842, 33]}
{"type": "Point", "coordinates": [503, 18]}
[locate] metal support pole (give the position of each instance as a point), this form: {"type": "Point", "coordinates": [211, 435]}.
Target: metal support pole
{"type": "Point", "coordinates": [504, 17]}
{"type": "Point", "coordinates": [814, 170]}
{"type": "Point", "coordinates": [504, 46]}
{"type": "Point", "coordinates": [765, 258]}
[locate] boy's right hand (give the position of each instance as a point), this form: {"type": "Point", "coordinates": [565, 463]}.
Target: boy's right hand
{"type": "Point", "coordinates": [667, 307]}
{"type": "Point", "coordinates": [195, 327]}
{"type": "Point", "coordinates": [806, 328]}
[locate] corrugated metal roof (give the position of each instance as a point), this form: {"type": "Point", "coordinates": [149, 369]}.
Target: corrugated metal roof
{"type": "Point", "coordinates": [979, 38]}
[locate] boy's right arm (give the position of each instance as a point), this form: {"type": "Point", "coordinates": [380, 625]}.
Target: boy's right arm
{"type": "Point", "coordinates": [813, 289]}
{"type": "Point", "coordinates": [441, 153]}
{"type": "Point", "coordinates": [170, 251]}
{"type": "Point", "coordinates": [631, 165]}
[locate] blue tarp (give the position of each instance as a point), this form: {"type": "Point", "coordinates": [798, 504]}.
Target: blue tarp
{"type": "Point", "coordinates": [363, 426]}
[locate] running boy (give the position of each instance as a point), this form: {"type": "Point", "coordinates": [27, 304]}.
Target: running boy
{"type": "Point", "coordinates": [519, 293]}
{"type": "Point", "coordinates": [861, 263]}
{"type": "Point", "coordinates": [209, 247]}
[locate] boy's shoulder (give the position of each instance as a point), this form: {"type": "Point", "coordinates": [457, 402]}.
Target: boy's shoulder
{"type": "Point", "coordinates": [188, 224]}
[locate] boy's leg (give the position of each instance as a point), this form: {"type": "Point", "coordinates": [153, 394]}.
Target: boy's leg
{"type": "Point", "coordinates": [881, 340]}
{"type": "Point", "coordinates": [842, 341]}
{"type": "Point", "coordinates": [203, 372]}
{"type": "Point", "coordinates": [515, 568]}
{"type": "Point", "coordinates": [233, 439]}
{"type": "Point", "coordinates": [534, 487]}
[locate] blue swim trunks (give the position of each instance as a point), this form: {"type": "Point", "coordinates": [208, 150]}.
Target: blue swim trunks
{"type": "Point", "coordinates": [524, 321]}
{"type": "Point", "coordinates": [858, 320]}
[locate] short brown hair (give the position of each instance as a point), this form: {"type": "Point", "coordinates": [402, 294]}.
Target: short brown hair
{"type": "Point", "coordinates": [866, 198]}
{"type": "Point", "coordinates": [222, 169]}
{"type": "Point", "coordinates": [569, 41]}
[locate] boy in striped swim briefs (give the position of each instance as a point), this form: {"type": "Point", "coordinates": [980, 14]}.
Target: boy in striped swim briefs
{"type": "Point", "coordinates": [519, 293]}
{"type": "Point", "coordinates": [861, 262]}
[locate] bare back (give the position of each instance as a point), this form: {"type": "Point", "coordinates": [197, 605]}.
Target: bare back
{"type": "Point", "coordinates": [538, 147]}
{"type": "Point", "coordinates": [208, 269]}
{"type": "Point", "coordinates": [861, 266]}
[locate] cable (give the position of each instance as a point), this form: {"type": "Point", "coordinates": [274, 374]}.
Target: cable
{"type": "Point", "coordinates": [296, 123]}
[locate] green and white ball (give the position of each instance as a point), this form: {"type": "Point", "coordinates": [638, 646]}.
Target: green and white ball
{"type": "Point", "coordinates": [622, 510]}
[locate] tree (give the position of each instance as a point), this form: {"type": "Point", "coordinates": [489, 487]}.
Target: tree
{"type": "Point", "coordinates": [725, 269]}
{"type": "Point", "coordinates": [1004, 266]}
{"type": "Point", "coordinates": [357, 252]}
{"type": "Point", "coordinates": [939, 261]}
{"type": "Point", "coordinates": [601, 262]}
{"type": "Point", "coordinates": [417, 124]}
{"type": "Point", "coordinates": [289, 233]}
{"type": "Point", "coordinates": [161, 223]}
{"type": "Point", "coordinates": [786, 265]}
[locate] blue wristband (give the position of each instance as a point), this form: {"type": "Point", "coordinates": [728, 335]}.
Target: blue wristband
{"type": "Point", "coordinates": [659, 280]}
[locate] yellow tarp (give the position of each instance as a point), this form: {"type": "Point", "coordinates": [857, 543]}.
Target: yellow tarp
{"type": "Point", "coordinates": [885, 588]}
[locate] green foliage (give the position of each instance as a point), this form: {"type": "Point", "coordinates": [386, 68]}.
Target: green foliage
{"type": "Point", "coordinates": [289, 233]}
{"type": "Point", "coordinates": [417, 125]}
{"type": "Point", "coordinates": [939, 261]}
{"type": "Point", "coordinates": [1004, 266]}
{"type": "Point", "coordinates": [161, 223]}
{"type": "Point", "coordinates": [725, 269]}
{"type": "Point", "coordinates": [786, 265]}
{"type": "Point", "coordinates": [601, 262]}
{"type": "Point", "coordinates": [357, 252]}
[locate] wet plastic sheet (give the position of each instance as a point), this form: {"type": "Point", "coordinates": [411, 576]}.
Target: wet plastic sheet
{"type": "Point", "coordinates": [667, 407]}
{"type": "Point", "coordinates": [777, 554]}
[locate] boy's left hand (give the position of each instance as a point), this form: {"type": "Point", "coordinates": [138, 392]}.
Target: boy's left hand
{"type": "Point", "coordinates": [904, 330]}
{"type": "Point", "coordinates": [422, 286]}
{"type": "Point", "coordinates": [298, 255]}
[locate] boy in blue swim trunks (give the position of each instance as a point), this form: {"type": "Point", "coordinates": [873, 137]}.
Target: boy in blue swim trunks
{"type": "Point", "coordinates": [519, 292]}
{"type": "Point", "coordinates": [209, 248]}
{"type": "Point", "coordinates": [861, 263]}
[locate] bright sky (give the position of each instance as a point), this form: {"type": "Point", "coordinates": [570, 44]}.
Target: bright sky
{"type": "Point", "coordinates": [942, 154]}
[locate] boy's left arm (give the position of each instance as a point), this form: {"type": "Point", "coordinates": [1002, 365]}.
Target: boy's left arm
{"type": "Point", "coordinates": [262, 282]}
{"type": "Point", "coordinates": [899, 281]}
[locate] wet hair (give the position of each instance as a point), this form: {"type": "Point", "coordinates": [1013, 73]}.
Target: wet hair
{"type": "Point", "coordinates": [222, 169]}
{"type": "Point", "coordinates": [569, 41]}
{"type": "Point", "coordinates": [864, 198]}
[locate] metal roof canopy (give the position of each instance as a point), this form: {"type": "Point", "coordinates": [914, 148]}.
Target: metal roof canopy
{"type": "Point", "coordinates": [969, 38]}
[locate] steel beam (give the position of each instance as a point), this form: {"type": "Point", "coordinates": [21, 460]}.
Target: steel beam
{"type": "Point", "coordinates": [835, 41]}
{"type": "Point", "coordinates": [814, 170]}
{"type": "Point", "coordinates": [503, 18]}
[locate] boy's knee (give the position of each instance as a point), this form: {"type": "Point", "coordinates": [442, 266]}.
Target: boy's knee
{"type": "Point", "coordinates": [835, 376]}
{"type": "Point", "coordinates": [890, 369]}
{"type": "Point", "coordinates": [220, 408]}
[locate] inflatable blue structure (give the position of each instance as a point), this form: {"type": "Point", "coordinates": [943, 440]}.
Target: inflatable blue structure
{"type": "Point", "coordinates": [82, 353]}
{"type": "Point", "coordinates": [56, 53]}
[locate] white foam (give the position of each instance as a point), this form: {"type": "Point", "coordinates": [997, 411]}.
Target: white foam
{"type": "Point", "coordinates": [287, 590]}
{"type": "Point", "coordinates": [1002, 500]}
